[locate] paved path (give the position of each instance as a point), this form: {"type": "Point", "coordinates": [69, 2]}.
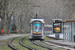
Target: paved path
{"type": "Point", "coordinates": [61, 42]}
{"type": "Point", "coordinates": [4, 37]}
{"type": "Point", "coordinates": [53, 35]}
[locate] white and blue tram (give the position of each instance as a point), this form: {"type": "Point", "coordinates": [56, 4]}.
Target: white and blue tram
{"type": "Point", "coordinates": [37, 29]}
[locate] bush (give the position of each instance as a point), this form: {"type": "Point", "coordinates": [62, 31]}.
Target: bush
{"type": "Point", "coordinates": [28, 31]}
{"type": "Point", "coordinates": [13, 32]}
{"type": "Point", "coordinates": [13, 27]}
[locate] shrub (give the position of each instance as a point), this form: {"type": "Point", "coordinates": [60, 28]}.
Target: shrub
{"type": "Point", "coordinates": [28, 31]}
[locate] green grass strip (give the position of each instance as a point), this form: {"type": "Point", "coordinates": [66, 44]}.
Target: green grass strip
{"type": "Point", "coordinates": [17, 45]}
{"type": "Point", "coordinates": [29, 43]}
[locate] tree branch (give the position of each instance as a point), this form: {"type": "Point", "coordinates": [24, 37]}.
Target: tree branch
{"type": "Point", "coordinates": [2, 18]}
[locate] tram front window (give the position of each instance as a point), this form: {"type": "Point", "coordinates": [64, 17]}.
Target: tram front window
{"type": "Point", "coordinates": [37, 27]}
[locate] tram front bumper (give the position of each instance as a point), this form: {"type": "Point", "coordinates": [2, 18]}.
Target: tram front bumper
{"type": "Point", "coordinates": [37, 35]}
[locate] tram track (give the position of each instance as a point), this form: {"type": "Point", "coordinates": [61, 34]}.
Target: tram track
{"type": "Point", "coordinates": [41, 45]}
{"type": "Point", "coordinates": [58, 45]}
{"type": "Point", "coordinates": [21, 42]}
{"type": "Point", "coordinates": [34, 42]}
{"type": "Point", "coordinates": [10, 45]}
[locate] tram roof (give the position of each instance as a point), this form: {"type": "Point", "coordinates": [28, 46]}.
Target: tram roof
{"type": "Point", "coordinates": [38, 19]}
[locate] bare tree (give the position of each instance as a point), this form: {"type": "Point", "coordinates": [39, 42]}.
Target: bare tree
{"type": "Point", "coordinates": [20, 23]}
{"type": "Point", "coordinates": [2, 13]}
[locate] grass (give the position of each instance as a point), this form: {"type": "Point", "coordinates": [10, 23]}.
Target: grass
{"type": "Point", "coordinates": [3, 45]}
{"type": "Point", "coordinates": [26, 41]}
{"type": "Point", "coordinates": [47, 39]}
{"type": "Point", "coordinates": [17, 45]}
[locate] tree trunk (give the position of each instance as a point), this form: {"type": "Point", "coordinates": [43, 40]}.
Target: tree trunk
{"type": "Point", "coordinates": [2, 14]}
{"type": "Point", "coordinates": [9, 25]}
{"type": "Point", "coordinates": [20, 23]}
{"type": "Point", "coordinates": [26, 19]}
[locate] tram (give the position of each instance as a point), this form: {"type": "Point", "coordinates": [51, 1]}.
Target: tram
{"type": "Point", "coordinates": [37, 29]}
{"type": "Point", "coordinates": [47, 29]}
